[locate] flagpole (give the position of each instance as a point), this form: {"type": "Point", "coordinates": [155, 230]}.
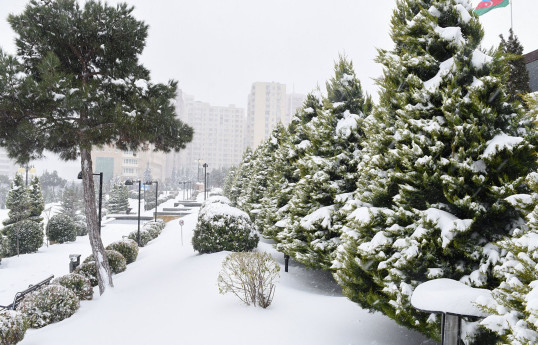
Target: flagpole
{"type": "Point", "coordinates": [511, 17]}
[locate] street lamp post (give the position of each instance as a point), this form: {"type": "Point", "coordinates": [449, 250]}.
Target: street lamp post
{"type": "Point", "coordinates": [156, 194]}
{"type": "Point", "coordinates": [205, 180]}
{"type": "Point", "coordinates": [130, 183]}
{"type": "Point", "coordinates": [184, 182]}
{"type": "Point", "coordinates": [100, 194]}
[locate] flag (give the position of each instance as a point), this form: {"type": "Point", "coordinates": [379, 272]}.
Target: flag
{"type": "Point", "coordinates": [487, 5]}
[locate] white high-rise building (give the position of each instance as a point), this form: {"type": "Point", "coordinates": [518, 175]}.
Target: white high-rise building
{"type": "Point", "coordinates": [217, 140]}
{"type": "Point", "coordinates": [7, 165]}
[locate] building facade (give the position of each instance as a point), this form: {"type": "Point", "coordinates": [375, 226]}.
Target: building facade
{"type": "Point", "coordinates": [7, 165]}
{"type": "Point", "coordinates": [217, 141]}
{"type": "Point", "coordinates": [531, 60]}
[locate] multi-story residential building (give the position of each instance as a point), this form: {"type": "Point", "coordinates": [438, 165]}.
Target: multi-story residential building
{"type": "Point", "coordinates": [123, 165]}
{"type": "Point", "coordinates": [266, 108]}
{"type": "Point", "coordinates": [294, 102]}
{"type": "Point", "coordinates": [217, 140]}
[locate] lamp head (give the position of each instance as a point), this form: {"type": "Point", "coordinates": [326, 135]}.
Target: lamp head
{"type": "Point", "coordinates": [129, 182]}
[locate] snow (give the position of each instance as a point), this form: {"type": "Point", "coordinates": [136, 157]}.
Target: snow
{"type": "Point", "coordinates": [347, 124]}
{"type": "Point", "coordinates": [464, 14]}
{"type": "Point", "coordinates": [479, 59]}
{"type": "Point", "coordinates": [170, 296]}
{"type": "Point", "coordinates": [451, 33]}
{"type": "Point", "coordinates": [448, 223]}
{"type": "Point", "coordinates": [449, 296]}
{"type": "Point", "coordinates": [321, 215]}
{"type": "Point", "coordinates": [444, 68]}
{"type": "Point", "coordinates": [499, 143]}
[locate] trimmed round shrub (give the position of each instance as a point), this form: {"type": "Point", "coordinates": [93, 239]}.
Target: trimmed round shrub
{"type": "Point", "coordinates": [30, 236]}
{"type": "Point", "coordinates": [81, 228]}
{"type": "Point", "coordinates": [223, 227]}
{"type": "Point", "coordinates": [77, 283]}
{"type": "Point", "coordinates": [145, 237]}
{"type": "Point", "coordinates": [126, 247]}
{"type": "Point", "coordinates": [12, 327]}
{"type": "Point", "coordinates": [89, 271]}
{"type": "Point", "coordinates": [116, 261]}
{"type": "Point", "coordinates": [51, 303]}
{"type": "Point", "coordinates": [62, 228]}
{"type": "Point", "coordinates": [217, 198]}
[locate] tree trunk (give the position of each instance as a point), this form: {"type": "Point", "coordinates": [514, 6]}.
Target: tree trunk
{"type": "Point", "coordinates": [103, 270]}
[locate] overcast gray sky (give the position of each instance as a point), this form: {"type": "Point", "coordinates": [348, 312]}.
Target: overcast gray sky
{"type": "Point", "coordinates": [216, 49]}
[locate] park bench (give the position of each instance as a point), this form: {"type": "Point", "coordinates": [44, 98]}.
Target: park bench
{"type": "Point", "coordinates": [19, 296]}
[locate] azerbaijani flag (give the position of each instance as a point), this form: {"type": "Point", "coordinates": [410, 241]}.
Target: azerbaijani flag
{"type": "Point", "coordinates": [487, 5]}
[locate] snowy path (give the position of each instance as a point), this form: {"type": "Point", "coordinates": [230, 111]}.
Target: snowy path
{"type": "Point", "coordinates": [169, 296]}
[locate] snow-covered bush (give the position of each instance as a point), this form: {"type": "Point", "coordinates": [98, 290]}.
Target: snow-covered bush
{"type": "Point", "coordinates": [149, 231]}
{"type": "Point", "coordinates": [223, 227]}
{"type": "Point", "coordinates": [89, 271]}
{"type": "Point", "coordinates": [116, 261]}
{"type": "Point", "coordinates": [126, 247]}
{"type": "Point", "coordinates": [3, 246]}
{"type": "Point", "coordinates": [217, 198]}
{"type": "Point", "coordinates": [61, 228]}
{"type": "Point", "coordinates": [81, 228]}
{"type": "Point", "coordinates": [51, 303]}
{"type": "Point", "coordinates": [29, 233]}
{"type": "Point", "coordinates": [77, 283]}
{"type": "Point", "coordinates": [249, 276]}
{"type": "Point", "coordinates": [12, 327]}
{"type": "Point", "coordinates": [216, 191]}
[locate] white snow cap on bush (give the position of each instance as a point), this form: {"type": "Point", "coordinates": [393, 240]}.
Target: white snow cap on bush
{"type": "Point", "coordinates": [209, 211]}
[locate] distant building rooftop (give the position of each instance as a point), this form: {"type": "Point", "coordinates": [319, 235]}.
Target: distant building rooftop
{"type": "Point", "coordinates": [531, 60]}
{"type": "Point", "coordinates": [531, 57]}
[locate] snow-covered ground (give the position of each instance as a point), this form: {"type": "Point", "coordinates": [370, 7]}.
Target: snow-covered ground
{"type": "Point", "coordinates": [170, 296]}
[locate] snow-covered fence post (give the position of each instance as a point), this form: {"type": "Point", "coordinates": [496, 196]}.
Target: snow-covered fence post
{"type": "Point", "coordinates": [453, 300]}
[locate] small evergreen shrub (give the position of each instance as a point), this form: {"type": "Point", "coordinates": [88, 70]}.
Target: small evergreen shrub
{"type": "Point", "coordinates": [223, 227]}
{"type": "Point", "coordinates": [149, 231]}
{"type": "Point", "coordinates": [145, 237]}
{"type": "Point", "coordinates": [61, 228]}
{"type": "Point", "coordinates": [12, 327]}
{"type": "Point", "coordinates": [3, 246]}
{"type": "Point", "coordinates": [116, 261]}
{"type": "Point", "coordinates": [30, 236]}
{"type": "Point", "coordinates": [89, 271]}
{"type": "Point", "coordinates": [249, 276]}
{"type": "Point", "coordinates": [51, 303]}
{"type": "Point", "coordinates": [81, 228]}
{"type": "Point", "coordinates": [126, 247]}
{"type": "Point", "coordinates": [77, 283]}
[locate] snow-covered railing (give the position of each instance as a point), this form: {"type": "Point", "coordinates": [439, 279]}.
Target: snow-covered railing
{"type": "Point", "coordinates": [453, 300]}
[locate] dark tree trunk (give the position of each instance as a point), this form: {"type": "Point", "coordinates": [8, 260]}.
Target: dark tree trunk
{"type": "Point", "coordinates": [104, 275]}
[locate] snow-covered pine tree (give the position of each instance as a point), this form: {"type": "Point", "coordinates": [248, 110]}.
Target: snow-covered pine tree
{"type": "Point", "coordinates": [517, 84]}
{"type": "Point", "coordinates": [70, 203]}
{"type": "Point", "coordinates": [118, 199]}
{"type": "Point", "coordinates": [445, 150]}
{"type": "Point", "coordinates": [292, 145]}
{"type": "Point", "coordinates": [147, 174]}
{"type": "Point", "coordinates": [514, 310]}
{"type": "Point", "coordinates": [241, 177]}
{"type": "Point", "coordinates": [17, 201]}
{"type": "Point", "coordinates": [229, 180]}
{"type": "Point", "coordinates": [327, 172]}
{"type": "Point", "coordinates": [36, 202]}
{"type": "Point", "coordinates": [77, 83]}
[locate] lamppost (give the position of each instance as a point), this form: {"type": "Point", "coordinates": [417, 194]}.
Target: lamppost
{"type": "Point", "coordinates": [184, 183]}
{"type": "Point", "coordinates": [198, 177]}
{"type": "Point", "coordinates": [100, 194]}
{"type": "Point", "coordinates": [205, 180]}
{"type": "Point", "coordinates": [156, 194]}
{"type": "Point", "coordinates": [130, 183]}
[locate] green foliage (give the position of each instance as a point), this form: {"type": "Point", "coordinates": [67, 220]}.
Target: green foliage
{"type": "Point", "coordinates": [71, 202]}
{"type": "Point", "coordinates": [116, 261]}
{"type": "Point", "coordinates": [77, 283]}
{"type": "Point", "coordinates": [49, 304]}
{"type": "Point", "coordinates": [27, 233]}
{"type": "Point", "coordinates": [150, 231]}
{"type": "Point", "coordinates": [126, 247]}
{"type": "Point", "coordinates": [12, 327]}
{"type": "Point", "coordinates": [61, 228]}
{"type": "Point", "coordinates": [17, 201]}
{"type": "Point", "coordinates": [518, 77]}
{"type": "Point", "coordinates": [81, 228]}
{"type": "Point", "coordinates": [35, 198]}
{"type": "Point", "coordinates": [223, 227]}
{"type": "Point", "coordinates": [51, 183]}
{"type": "Point", "coordinates": [89, 271]}
{"type": "Point", "coordinates": [249, 276]}
{"type": "Point", "coordinates": [118, 201]}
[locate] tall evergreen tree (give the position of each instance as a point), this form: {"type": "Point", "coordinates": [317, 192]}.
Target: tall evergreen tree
{"type": "Point", "coordinates": [118, 199]}
{"type": "Point", "coordinates": [77, 83]}
{"type": "Point", "coordinates": [327, 172]}
{"type": "Point", "coordinates": [36, 203]}
{"type": "Point", "coordinates": [517, 84]}
{"type": "Point", "coordinates": [445, 150]}
{"type": "Point", "coordinates": [17, 201]}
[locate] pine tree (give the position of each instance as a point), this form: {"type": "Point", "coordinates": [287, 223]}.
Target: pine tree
{"type": "Point", "coordinates": [327, 172]}
{"type": "Point", "coordinates": [445, 150]}
{"type": "Point", "coordinates": [36, 203]}
{"type": "Point", "coordinates": [17, 201]}
{"type": "Point", "coordinates": [79, 84]}
{"type": "Point", "coordinates": [70, 203]}
{"type": "Point", "coordinates": [517, 84]}
{"type": "Point", "coordinates": [118, 199]}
